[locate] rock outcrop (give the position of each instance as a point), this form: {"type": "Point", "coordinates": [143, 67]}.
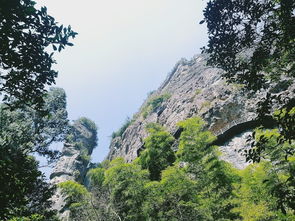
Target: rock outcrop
{"type": "Point", "coordinates": [193, 89]}
{"type": "Point", "coordinates": [74, 160]}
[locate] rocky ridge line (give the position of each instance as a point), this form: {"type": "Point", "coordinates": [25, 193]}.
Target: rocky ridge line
{"type": "Point", "coordinates": [194, 89]}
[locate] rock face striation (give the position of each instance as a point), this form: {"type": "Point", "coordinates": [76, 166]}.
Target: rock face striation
{"type": "Point", "coordinates": [73, 164]}
{"type": "Point", "coordinates": [194, 89]}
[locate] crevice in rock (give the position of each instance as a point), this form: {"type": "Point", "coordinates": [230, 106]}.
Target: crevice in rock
{"type": "Point", "coordinates": [237, 129]}
{"type": "Point", "coordinates": [226, 135]}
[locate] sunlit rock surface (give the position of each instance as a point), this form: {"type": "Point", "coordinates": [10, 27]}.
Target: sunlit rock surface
{"type": "Point", "coordinates": [194, 89]}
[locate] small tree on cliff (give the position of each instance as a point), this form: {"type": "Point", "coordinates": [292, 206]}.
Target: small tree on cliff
{"type": "Point", "coordinates": [214, 178]}
{"type": "Point", "coordinates": [158, 153]}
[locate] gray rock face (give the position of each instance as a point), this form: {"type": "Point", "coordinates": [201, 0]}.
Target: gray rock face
{"type": "Point", "coordinates": [233, 149]}
{"type": "Point", "coordinates": [70, 166]}
{"type": "Point", "coordinates": [74, 161]}
{"type": "Point", "coordinates": [194, 89]}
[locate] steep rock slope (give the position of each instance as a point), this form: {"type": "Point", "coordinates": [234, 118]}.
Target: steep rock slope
{"type": "Point", "coordinates": [193, 89]}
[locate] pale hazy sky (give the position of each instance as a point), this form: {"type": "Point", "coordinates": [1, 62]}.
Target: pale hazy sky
{"type": "Point", "coordinates": [124, 49]}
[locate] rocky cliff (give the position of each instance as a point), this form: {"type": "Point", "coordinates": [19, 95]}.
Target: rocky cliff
{"type": "Point", "coordinates": [195, 89]}
{"type": "Point", "coordinates": [74, 161]}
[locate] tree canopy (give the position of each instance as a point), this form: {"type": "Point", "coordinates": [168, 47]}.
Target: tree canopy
{"type": "Point", "coordinates": [252, 40]}
{"type": "Point", "coordinates": [31, 131]}
{"type": "Point", "coordinates": [26, 57]}
{"type": "Point", "coordinates": [158, 153]}
{"type": "Point", "coordinates": [199, 186]}
{"type": "Point", "coordinates": [24, 132]}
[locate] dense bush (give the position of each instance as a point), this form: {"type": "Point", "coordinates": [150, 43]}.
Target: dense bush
{"type": "Point", "coordinates": [191, 185]}
{"type": "Point", "coordinates": [158, 153]}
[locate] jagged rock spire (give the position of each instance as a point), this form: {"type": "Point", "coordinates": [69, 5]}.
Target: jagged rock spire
{"type": "Point", "coordinates": [73, 163]}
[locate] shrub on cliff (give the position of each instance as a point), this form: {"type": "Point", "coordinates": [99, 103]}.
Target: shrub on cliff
{"type": "Point", "coordinates": [158, 154]}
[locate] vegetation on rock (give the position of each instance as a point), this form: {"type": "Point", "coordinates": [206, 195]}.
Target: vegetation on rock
{"type": "Point", "coordinates": [158, 154]}
{"type": "Point", "coordinates": [253, 42]}
{"type": "Point", "coordinates": [120, 132]}
{"type": "Point", "coordinates": [196, 186]}
{"type": "Point", "coordinates": [153, 103]}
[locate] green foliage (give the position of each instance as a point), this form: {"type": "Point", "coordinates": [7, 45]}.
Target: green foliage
{"type": "Point", "coordinates": [252, 195]}
{"type": "Point", "coordinates": [199, 186]}
{"type": "Point", "coordinates": [26, 34]}
{"type": "Point", "coordinates": [198, 91]}
{"type": "Point", "coordinates": [237, 87]}
{"type": "Point", "coordinates": [215, 186]}
{"type": "Point", "coordinates": [199, 191]}
{"type": "Point", "coordinates": [285, 117]}
{"type": "Point", "coordinates": [23, 189]}
{"type": "Point", "coordinates": [126, 182]}
{"type": "Point", "coordinates": [75, 193]}
{"type": "Point", "coordinates": [34, 217]}
{"type": "Point", "coordinates": [33, 131]}
{"type": "Point", "coordinates": [253, 41]}
{"type": "Point", "coordinates": [194, 142]}
{"type": "Point", "coordinates": [120, 132]}
{"type": "Point", "coordinates": [172, 198]}
{"type": "Point", "coordinates": [153, 103]}
{"type": "Point", "coordinates": [146, 111]}
{"type": "Point", "coordinates": [78, 200]}
{"type": "Point", "coordinates": [158, 153]}
{"type": "Point", "coordinates": [266, 140]}
{"type": "Point", "coordinates": [85, 156]}
{"type": "Point", "coordinates": [105, 164]}
{"type": "Point", "coordinates": [277, 146]}
{"type": "Point", "coordinates": [215, 177]}
{"type": "Point", "coordinates": [96, 177]}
